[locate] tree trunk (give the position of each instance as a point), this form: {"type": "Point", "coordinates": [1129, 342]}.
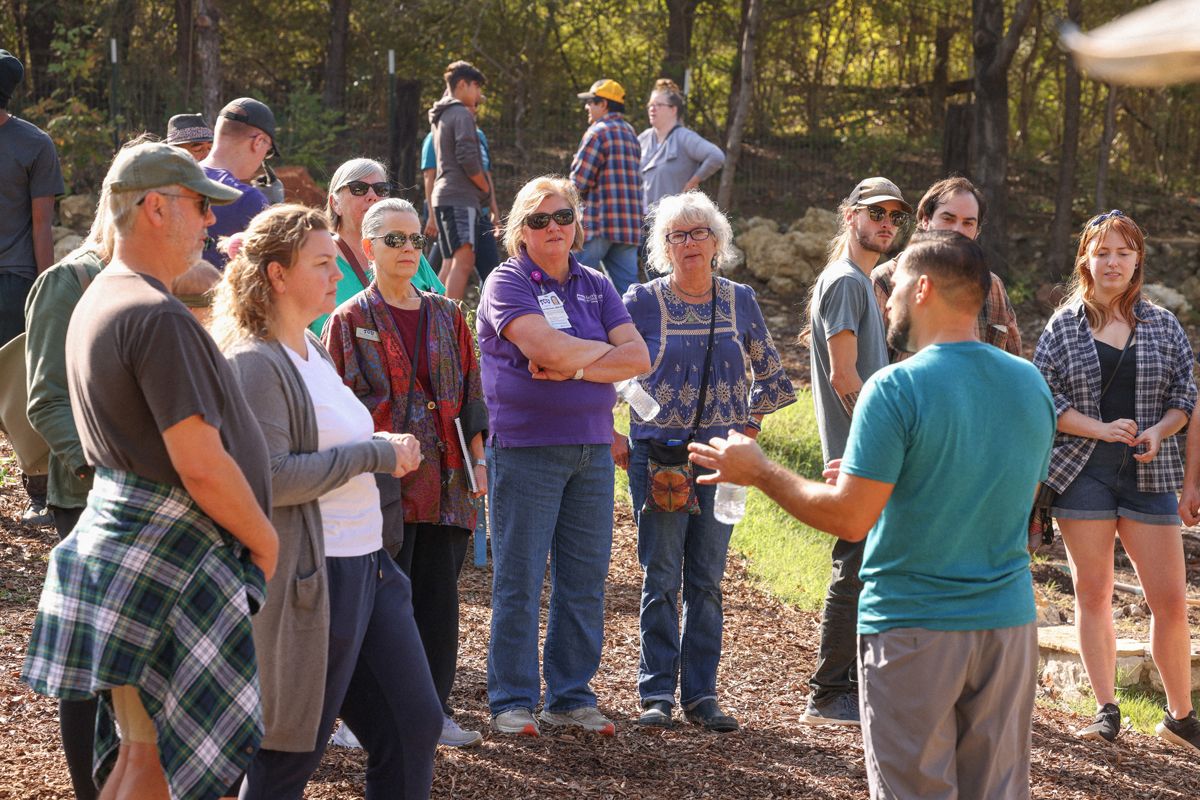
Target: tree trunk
{"type": "Point", "coordinates": [941, 73]}
{"type": "Point", "coordinates": [733, 142]}
{"type": "Point", "coordinates": [409, 116]}
{"type": "Point", "coordinates": [956, 139]}
{"type": "Point", "coordinates": [184, 51]}
{"type": "Point", "coordinates": [994, 50]}
{"type": "Point", "coordinates": [334, 87]}
{"type": "Point", "coordinates": [681, 17]}
{"type": "Point", "coordinates": [208, 52]}
{"type": "Point", "coordinates": [736, 80]}
{"type": "Point", "coordinates": [1060, 227]}
{"type": "Point", "coordinates": [1106, 140]}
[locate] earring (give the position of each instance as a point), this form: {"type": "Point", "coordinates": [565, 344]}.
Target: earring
{"type": "Point", "coordinates": [713, 263]}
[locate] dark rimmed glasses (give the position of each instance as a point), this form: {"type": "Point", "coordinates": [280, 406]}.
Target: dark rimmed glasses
{"type": "Point", "coordinates": [540, 219]}
{"type": "Point", "coordinates": [695, 234]}
{"type": "Point", "coordinates": [877, 213]}
{"type": "Point", "coordinates": [205, 200]}
{"type": "Point", "coordinates": [359, 188]}
{"type": "Point", "coordinates": [397, 240]}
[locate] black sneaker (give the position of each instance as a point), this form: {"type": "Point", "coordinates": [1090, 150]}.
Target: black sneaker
{"type": "Point", "coordinates": [1106, 725]}
{"type": "Point", "coordinates": [656, 714]}
{"type": "Point", "coordinates": [1183, 732]}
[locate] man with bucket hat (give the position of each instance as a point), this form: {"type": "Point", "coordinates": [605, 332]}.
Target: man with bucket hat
{"type": "Point", "coordinates": [244, 139]}
{"type": "Point", "coordinates": [192, 133]}
{"type": "Point", "coordinates": [177, 516]}
{"type": "Point", "coordinates": [607, 171]}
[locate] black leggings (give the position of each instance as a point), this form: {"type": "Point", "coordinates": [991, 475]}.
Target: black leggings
{"type": "Point", "coordinates": [76, 718]}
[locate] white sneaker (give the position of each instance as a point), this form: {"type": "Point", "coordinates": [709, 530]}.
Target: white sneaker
{"type": "Point", "coordinates": [517, 721]}
{"type": "Point", "coordinates": [587, 717]}
{"type": "Point", "coordinates": [454, 736]}
{"type": "Point", "coordinates": [344, 737]}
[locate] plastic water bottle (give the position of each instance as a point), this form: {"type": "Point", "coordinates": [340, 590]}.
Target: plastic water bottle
{"type": "Point", "coordinates": [730, 504]}
{"type": "Point", "coordinates": [638, 398]}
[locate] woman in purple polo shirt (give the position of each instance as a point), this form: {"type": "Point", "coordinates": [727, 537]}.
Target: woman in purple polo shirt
{"type": "Point", "coordinates": [554, 337]}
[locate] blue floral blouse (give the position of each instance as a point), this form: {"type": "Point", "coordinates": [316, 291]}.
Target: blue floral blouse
{"type": "Point", "coordinates": [746, 378]}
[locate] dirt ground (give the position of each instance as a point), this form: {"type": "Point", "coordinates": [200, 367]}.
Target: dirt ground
{"type": "Point", "coordinates": [769, 653]}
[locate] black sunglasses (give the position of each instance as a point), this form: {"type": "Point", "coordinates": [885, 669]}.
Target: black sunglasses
{"type": "Point", "coordinates": [564, 217]}
{"type": "Point", "coordinates": [397, 240]}
{"type": "Point", "coordinates": [876, 213]}
{"type": "Point", "coordinates": [359, 188]}
{"type": "Point", "coordinates": [205, 200]}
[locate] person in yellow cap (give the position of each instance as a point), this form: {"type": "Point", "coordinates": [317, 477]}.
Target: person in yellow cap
{"type": "Point", "coordinates": [607, 173]}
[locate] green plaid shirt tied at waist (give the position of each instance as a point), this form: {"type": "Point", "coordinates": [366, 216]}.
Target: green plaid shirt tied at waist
{"type": "Point", "coordinates": [149, 591]}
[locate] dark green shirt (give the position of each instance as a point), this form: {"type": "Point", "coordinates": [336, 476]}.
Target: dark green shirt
{"type": "Point", "coordinates": [47, 312]}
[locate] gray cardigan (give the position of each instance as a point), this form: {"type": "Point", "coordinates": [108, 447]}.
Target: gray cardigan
{"type": "Point", "coordinates": [667, 167]}
{"type": "Point", "coordinates": [291, 632]}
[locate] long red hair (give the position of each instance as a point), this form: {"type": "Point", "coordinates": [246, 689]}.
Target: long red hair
{"type": "Point", "coordinates": [1083, 287]}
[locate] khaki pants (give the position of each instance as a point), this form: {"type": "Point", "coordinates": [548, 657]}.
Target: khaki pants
{"type": "Point", "coordinates": [948, 714]}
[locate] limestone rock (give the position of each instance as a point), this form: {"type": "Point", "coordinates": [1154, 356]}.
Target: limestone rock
{"type": "Point", "coordinates": [65, 245]}
{"type": "Point", "coordinates": [789, 260]}
{"type": "Point", "coordinates": [817, 221]}
{"type": "Point", "coordinates": [77, 212]}
{"type": "Point", "coordinates": [59, 231]}
{"type": "Point", "coordinates": [1168, 298]}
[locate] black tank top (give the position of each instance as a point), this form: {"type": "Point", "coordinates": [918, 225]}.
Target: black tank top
{"type": "Point", "coordinates": [1118, 402]}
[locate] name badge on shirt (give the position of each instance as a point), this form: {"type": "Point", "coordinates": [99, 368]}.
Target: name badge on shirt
{"type": "Point", "coordinates": [367, 333]}
{"type": "Point", "coordinates": [556, 313]}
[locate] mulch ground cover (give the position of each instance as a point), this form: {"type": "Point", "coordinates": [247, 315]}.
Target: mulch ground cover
{"type": "Point", "coordinates": [769, 653]}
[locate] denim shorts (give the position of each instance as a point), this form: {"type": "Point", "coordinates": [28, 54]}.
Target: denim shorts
{"type": "Point", "coordinates": [1107, 489]}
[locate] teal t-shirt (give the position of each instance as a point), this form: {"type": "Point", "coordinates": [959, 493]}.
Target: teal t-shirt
{"type": "Point", "coordinates": [963, 431]}
{"type": "Point", "coordinates": [426, 280]}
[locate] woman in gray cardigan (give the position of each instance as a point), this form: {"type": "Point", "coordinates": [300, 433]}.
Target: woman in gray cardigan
{"type": "Point", "coordinates": [675, 159]}
{"type": "Point", "coordinates": [337, 635]}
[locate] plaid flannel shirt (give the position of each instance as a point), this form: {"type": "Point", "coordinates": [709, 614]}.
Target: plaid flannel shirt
{"type": "Point", "coordinates": [607, 171]}
{"type": "Point", "coordinates": [997, 312]}
{"type": "Point", "coordinates": [148, 591]}
{"type": "Point", "coordinates": [1066, 356]}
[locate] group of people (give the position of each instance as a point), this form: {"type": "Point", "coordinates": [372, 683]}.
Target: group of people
{"type": "Point", "coordinates": [265, 496]}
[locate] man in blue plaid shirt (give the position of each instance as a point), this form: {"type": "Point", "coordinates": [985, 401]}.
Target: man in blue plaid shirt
{"type": "Point", "coordinates": [607, 172]}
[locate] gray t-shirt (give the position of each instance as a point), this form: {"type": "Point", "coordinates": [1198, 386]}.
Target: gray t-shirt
{"type": "Point", "coordinates": [843, 300]}
{"type": "Point", "coordinates": [28, 169]}
{"type": "Point", "coordinates": [138, 362]}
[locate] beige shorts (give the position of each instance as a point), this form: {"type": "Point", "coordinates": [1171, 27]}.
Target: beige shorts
{"type": "Point", "coordinates": [133, 722]}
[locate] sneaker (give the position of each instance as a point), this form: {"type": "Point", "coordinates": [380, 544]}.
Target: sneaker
{"type": "Point", "coordinates": [839, 710]}
{"type": "Point", "coordinates": [588, 717]}
{"type": "Point", "coordinates": [1183, 732]}
{"type": "Point", "coordinates": [344, 737]}
{"type": "Point", "coordinates": [454, 736]}
{"type": "Point", "coordinates": [37, 514]}
{"type": "Point", "coordinates": [656, 714]}
{"type": "Point", "coordinates": [1106, 725]}
{"type": "Point", "coordinates": [709, 715]}
{"type": "Point", "coordinates": [516, 720]}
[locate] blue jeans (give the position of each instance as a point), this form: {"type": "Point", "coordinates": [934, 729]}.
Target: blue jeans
{"type": "Point", "coordinates": [678, 548]}
{"type": "Point", "coordinates": [620, 260]}
{"type": "Point", "coordinates": [556, 502]}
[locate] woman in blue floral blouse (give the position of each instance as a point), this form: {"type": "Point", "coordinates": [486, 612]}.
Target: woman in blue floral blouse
{"type": "Point", "coordinates": [689, 240]}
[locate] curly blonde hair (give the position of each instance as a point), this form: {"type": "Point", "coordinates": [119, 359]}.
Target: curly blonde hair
{"type": "Point", "coordinates": [242, 305]}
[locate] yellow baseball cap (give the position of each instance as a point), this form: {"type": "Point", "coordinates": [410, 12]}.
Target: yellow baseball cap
{"type": "Point", "coordinates": [606, 89]}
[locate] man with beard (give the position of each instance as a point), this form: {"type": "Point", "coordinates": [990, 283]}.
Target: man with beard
{"type": "Point", "coordinates": [956, 204]}
{"type": "Point", "coordinates": [846, 346]}
{"type": "Point", "coordinates": [944, 456]}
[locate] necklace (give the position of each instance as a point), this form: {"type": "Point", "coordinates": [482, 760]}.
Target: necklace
{"type": "Point", "coordinates": [676, 288]}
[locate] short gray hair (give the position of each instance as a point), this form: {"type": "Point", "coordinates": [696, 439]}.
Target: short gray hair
{"type": "Point", "coordinates": [692, 208]}
{"type": "Point", "coordinates": [372, 224]}
{"type": "Point", "coordinates": [353, 170]}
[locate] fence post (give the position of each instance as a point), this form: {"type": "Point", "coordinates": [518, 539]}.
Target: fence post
{"type": "Point", "coordinates": [393, 164]}
{"type": "Point", "coordinates": [113, 101]}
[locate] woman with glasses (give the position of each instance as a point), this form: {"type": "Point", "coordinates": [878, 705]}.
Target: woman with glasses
{"type": "Point", "coordinates": [1120, 369]}
{"type": "Point", "coordinates": [554, 337]}
{"type": "Point", "coordinates": [356, 186]}
{"type": "Point", "coordinates": [409, 356]}
{"type": "Point", "coordinates": [692, 321]}
{"type": "Point", "coordinates": [675, 158]}
{"type": "Point", "coordinates": [336, 635]}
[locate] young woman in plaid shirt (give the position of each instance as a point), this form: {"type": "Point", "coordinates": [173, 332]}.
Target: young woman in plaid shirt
{"type": "Point", "coordinates": [1120, 369]}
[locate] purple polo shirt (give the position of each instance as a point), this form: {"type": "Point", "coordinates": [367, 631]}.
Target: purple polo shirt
{"type": "Point", "coordinates": [233, 217]}
{"type": "Point", "coordinates": [523, 412]}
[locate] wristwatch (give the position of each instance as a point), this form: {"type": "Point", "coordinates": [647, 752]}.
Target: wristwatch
{"type": "Point", "coordinates": [578, 376]}
{"type": "Point", "coordinates": [480, 462]}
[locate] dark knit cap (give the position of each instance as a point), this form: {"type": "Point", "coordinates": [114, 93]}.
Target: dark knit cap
{"type": "Point", "coordinates": [11, 74]}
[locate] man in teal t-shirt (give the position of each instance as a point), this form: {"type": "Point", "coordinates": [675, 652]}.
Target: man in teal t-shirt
{"type": "Point", "coordinates": [945, 453]}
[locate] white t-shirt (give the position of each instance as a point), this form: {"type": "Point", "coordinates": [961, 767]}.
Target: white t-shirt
{"type": "Point", "coordinates": [350, 514]}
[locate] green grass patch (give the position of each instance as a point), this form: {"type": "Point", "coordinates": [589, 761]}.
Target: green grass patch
{"type": "Point", "coordinates": [1143, 709]}
{"type": "Point", "coordinates": [788, 559]}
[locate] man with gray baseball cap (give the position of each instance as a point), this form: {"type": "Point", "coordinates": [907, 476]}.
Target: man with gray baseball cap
{"type": "Point", "coordinates": [243, 140]}
{"type": "Point", "coordinates": [847, 344]}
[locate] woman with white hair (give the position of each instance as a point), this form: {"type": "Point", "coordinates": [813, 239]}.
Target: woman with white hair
{"type": "Point", "coordinates": [355, 186]}
{"type": "Point", "coordinates": [713, 368]}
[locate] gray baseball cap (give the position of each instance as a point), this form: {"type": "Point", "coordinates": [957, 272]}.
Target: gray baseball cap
{"type": "Point", "coordinates": [877, 190]}
{"type": "Point", "coordinates": [154, 165]}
